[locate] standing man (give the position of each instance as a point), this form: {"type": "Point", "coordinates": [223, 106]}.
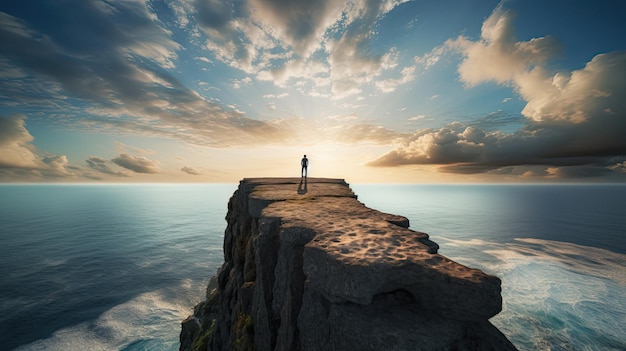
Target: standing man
{"type": "Point", "coordinates": [304, 163]}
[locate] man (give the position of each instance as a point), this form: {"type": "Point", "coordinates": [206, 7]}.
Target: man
{"type": "Point", "coordinates": [304, 163]}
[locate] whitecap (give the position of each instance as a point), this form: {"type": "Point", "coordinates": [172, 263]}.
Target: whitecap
{"type": "Point", "coordinates": [148, 321]}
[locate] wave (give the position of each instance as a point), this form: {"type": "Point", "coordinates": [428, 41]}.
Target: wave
{"type": "Point", "coordinates": [149, 321]}
{"type": "Point", "coordinates": [557, 295]}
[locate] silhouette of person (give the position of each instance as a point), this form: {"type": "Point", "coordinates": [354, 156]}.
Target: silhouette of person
{"type": "Point", "coordinates": [304, 163]}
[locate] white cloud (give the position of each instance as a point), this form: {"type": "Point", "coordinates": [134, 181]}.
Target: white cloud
{"type": "Point", "coordinates": [204, 59]}
{"type": "Point", "coordinates": [431, 58]}
{"type": "Point", "coordinates": [390, 85]}
{"type": "Point", "coordinates": [596, 91]}
{"type": "Point", "coordinates": [237, 83]}
{"type": "Point", "coordinates": [417, 118]}
{"type": "Point", "coordinates": [279, 96]}
{"type": "Point", "coordinates": [497, 56]}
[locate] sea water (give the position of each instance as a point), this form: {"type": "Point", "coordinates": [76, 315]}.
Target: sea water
{"type": "Point", "coordinates": [117, 267]}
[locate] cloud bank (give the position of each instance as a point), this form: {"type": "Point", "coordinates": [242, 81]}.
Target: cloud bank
{"type": "Point", "coordinates": [21, 160]}
{"type": "Point", "coordinates": [574, 119]}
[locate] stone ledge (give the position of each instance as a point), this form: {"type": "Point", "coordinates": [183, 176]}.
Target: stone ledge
{"type": "Point", "coordinates": [307, 264]}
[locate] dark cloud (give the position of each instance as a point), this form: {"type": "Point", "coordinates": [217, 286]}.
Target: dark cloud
{"type": "Point", "coordinates": [301, 24]}
{"type": "Point", "coordinates": [137, 164]}
{"type": "Point", "coordinates": [216, 16]}
{"type": "Point", "coordinates": [459, 149]}
{"type": "Point", "coordinates": [190, 170]}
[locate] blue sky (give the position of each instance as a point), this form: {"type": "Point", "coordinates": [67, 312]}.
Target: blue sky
{"type": "Point", "coordinates": [371, 91]}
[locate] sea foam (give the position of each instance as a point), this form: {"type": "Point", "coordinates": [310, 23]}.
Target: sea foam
{"type": "Point", "coordinates": [557, 296]}
{"type": "Point", "coordinates": [149, 321]}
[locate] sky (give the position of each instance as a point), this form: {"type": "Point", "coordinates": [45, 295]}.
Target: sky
{"type": "Point", "coordinates": [371, 90]}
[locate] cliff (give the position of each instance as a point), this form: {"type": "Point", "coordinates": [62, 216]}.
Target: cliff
{"type": "Point", "coordinates": [309, 267]}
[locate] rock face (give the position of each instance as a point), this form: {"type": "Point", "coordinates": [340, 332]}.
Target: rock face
{"type": "Point", "coordinates": [309, 267]}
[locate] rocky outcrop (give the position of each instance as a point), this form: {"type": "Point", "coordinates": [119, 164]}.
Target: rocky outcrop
{"type": "Point", "coordinates": [309, 267]}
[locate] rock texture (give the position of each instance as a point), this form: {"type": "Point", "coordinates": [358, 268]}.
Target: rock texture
{"type": "Point", "coordinates": [309, 267]}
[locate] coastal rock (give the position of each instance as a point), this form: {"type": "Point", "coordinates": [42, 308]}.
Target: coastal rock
{"type": "Point", "coordinates": [309, 267]}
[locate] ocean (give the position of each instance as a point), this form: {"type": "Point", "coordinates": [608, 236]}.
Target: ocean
{"type": "Point", "coordinates": [118, 267]}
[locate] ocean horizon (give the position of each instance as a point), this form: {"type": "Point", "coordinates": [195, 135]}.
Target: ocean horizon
{"type": "Point", "coordinates": [119, 266]}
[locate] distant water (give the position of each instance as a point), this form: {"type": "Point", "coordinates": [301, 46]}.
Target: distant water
{"type": "Point", "coordinates": [117, 267]}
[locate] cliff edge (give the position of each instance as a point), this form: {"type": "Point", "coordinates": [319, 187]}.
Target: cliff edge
{"type": "Point", "coordinates": [309, 267]}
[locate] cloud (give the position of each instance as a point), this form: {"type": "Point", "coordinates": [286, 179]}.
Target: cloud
{"type": "Point", "coordinates": [137, 164]}
{"type": "Point", "coordinates": [190, 170]}
{"type": "Point", "coordinates": [497, 55]}
{"type": "Point", "coordinates": [16, 150]}
{"type": "Point", "coordinates": [279, 96]}
{"type": "Point", "coordinates": [237, 83]}
{"type": "Point", "coordinates": [21, 160]}
{"type": "Point", "coordinates": [102, 165]}
{"type": "Point", "coordinates": [391, 84]}
{"type": "Point", "coordinates": [586, 95]}
{"type": "Point", "coordinates": [417, 118]}
{"type": "Point", "coordinates": [107, 69]}
{"type": "Point", "coordinates": [326, 43]}
{"type": "Point", "coordinates": [58, 166]}
{"type": "Point", "coordinates": [300, 25]}
{"type": "Point", "coordinates": [619, 167]}
{"type": "Point", "coordinates": [574, 121]}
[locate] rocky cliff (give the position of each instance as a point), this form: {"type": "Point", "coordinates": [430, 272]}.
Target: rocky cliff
{"type": "Point", "coordinates": [309, 267]}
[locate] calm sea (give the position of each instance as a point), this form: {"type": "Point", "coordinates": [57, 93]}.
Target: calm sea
{"type": "Point", "coordinates": [117, 267]}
